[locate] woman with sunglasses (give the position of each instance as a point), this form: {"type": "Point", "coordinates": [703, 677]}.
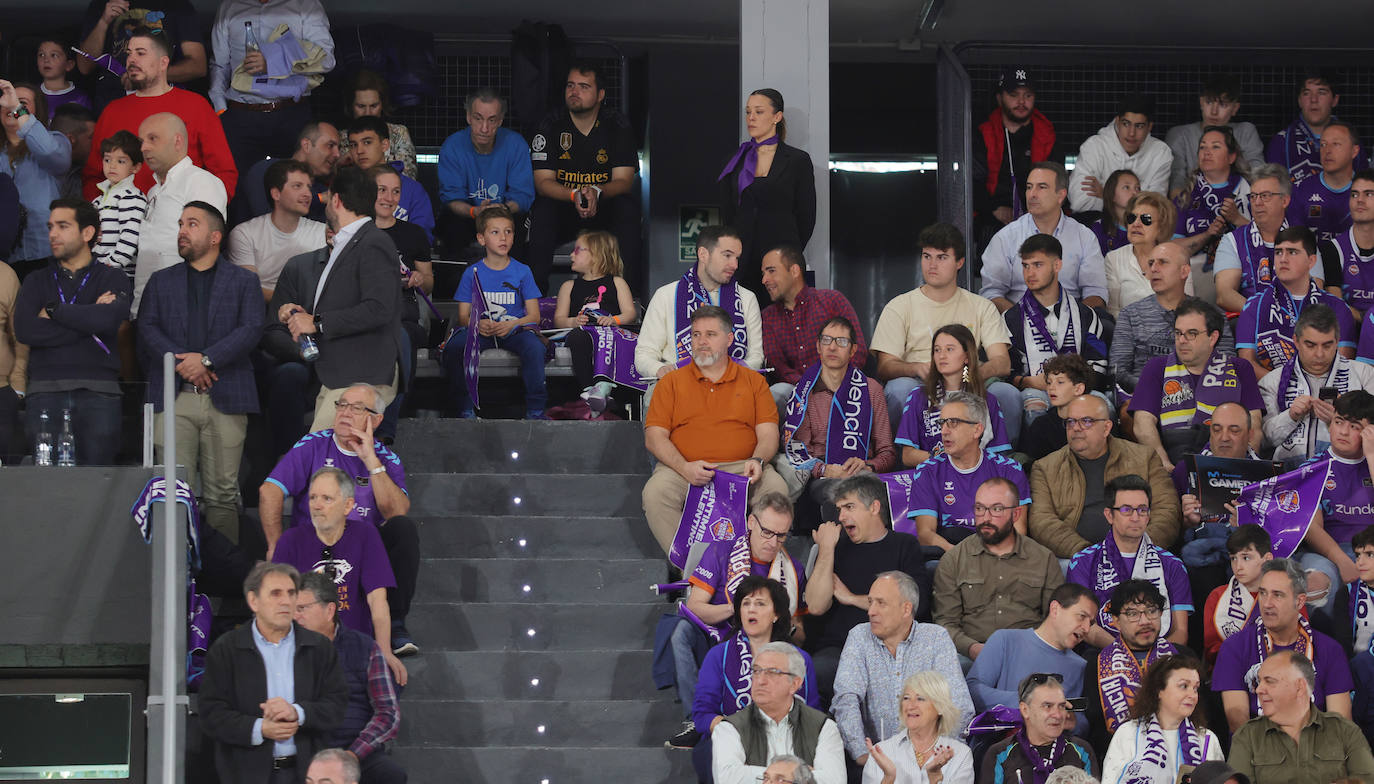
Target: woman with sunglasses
{"type": "Point", "coordinates": [1166, 730]}
{"type": "Point", "coordinates": [723, 685]}
{"type": "Point", "coordinates": [953, 366]}
{"type": "Point", "coordinates": [925, 751]}
{"type": "Point", "coordinates": [1110, 230]}
{"type": "Point", "coordinates": [1217, 198]}
{"type": "Point", "coordinates": [1149, 221]}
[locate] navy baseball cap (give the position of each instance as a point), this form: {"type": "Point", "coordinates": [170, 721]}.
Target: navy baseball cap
{"type": "Point", "coordinates": [1013, 77]}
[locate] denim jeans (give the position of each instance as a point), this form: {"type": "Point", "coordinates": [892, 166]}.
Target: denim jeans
{"type": "Point", "coordinates": [524, 343]}
{"type": "Point", "coordinates": [690, 645]}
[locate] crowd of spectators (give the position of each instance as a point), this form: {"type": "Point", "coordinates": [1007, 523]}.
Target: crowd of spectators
{"type": "Point", "coordinates": [1008, 516]}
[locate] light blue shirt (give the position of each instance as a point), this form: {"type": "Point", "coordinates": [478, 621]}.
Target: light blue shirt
{"type": "Point", "coordinates": [307, 21]}
{"type": "Point", "coordinates": [1010, 655]}
{"type": "Point", "coordinates": [1083, 275]}
{"type": "Point", "coordinates": [280, 661]}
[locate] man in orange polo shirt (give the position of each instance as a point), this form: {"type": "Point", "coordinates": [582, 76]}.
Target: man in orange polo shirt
{"type": "Point", "coordinates": [710, 415]}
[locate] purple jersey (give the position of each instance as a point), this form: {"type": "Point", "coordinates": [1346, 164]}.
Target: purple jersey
{"type": "Point", "coordinates": [1237, 667]}
{"type": "Point", "coordinates": [1320, 208]}
{"type": "Point", "coordinates": [918, 428]}
{"type": "Point", "coordinates": [360, 566]}
{"type": "Point", "coordinates": [1348, 499]}
{"type": "Point", "coordinates": [709, 576]}
{"type": "Point", "coordinates": [1150, 394]}
{"type": "Point", "coordinates": [317, 450]}
{"type": "Point", "coordinates": [1357, 272]}
{"type": "Point", "coordinates": [1266, 324]}
{"type": "Point", "coordinates": [1365, 353]}
{"type": "Point", "coordinates": [946, 492]}
{"type": "Point", "coordinates": [1175, 579]}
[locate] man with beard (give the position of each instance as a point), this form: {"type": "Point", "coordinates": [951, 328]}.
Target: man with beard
{"type": "Point", "coordinates": [317, 146]}
{"type": "Point", "coordinates": [585, 160]}
{"type": "Point", "coordinates": [264, 244]}
{"type": "Point", "coordinates": [999, 579]}
{"type": "Point", "coordinates": [1013, 654]}
{"type": "Point", "coordinates": [179, 182]}
{"type": "Point", "coordinates": [797, 312]}
{"type": "Point", "coordinates": [711, 415]}
{"type": "Point", "coordinates": [209, 315]}
{"type": "Point", "coordinates": [1136, 608]}
{"type": "Point", "coordinates": [1036, 748]}
{"type": "Point", "coordinates": [149, 54]}
{"type": "Point", "coordinates": [1014, 135]}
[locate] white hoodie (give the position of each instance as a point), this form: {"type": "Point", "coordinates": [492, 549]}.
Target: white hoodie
{"type": "Point", "coordinates": [1102, 154]}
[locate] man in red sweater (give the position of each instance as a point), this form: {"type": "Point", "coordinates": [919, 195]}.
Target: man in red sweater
{"type": "Point", "coordinates": [149, 55]}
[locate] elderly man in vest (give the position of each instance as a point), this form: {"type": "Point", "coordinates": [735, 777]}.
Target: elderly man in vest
{"type": "Point", "coordinates": [776, 723]}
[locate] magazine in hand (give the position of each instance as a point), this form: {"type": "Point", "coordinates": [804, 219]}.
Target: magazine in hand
{"type": "Point", "coordinates": [1217, 481]}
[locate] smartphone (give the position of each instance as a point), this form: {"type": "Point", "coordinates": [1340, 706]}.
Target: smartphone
{"type": "Point", "coordinates": [582, 200]}
{"type": "Point", "coordinates": [1078, 704]}
{"type": "Point", "coordinates": [1329, 394]}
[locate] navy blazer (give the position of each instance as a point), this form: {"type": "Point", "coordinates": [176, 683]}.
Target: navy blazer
{"type": "Point", "coordinates": [235, 325]}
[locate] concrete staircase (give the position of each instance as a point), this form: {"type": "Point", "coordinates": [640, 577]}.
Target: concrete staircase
{"type": "Point", "coordinates": [533, 611]}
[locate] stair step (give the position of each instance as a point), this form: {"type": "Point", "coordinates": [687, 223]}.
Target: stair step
{"type": "Point", "coordinates": [482, 536]}
{"type": "Point", "coordinates": [525, 676]}
{"type": "Point", "coordinates": [615, 495]}
{"type": "Point", "coordinates": [506, 446]}
{"type": "Point", "coordinates": [551, 580]}
{"type": "Point", "coordinates": [540, 765]}
{"type": "Point", "coordinates": [496, 627]}
{"type": "Point", "coordinates": [580, 723]}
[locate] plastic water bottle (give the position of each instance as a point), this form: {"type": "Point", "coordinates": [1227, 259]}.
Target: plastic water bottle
{"type": "Point", "coordinates": [250, 41]}
{"type": "Point", "coordinates": [310, 351]}
{"type": "Point", "coordinates": [66, 441]}
{"type": "Point", "coordinates": [42, 447]}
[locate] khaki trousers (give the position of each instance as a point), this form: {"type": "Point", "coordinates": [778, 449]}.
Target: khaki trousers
{"type": "Point", "coordinates": [665, 495]}
{"type": "Point", "coordinates": [209, 444]}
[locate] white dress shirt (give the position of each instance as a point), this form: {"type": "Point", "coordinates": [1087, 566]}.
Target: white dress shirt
{"type": "Point", "coordinates": [341, 240]}
{"type": "Point", "coordinates": [157, 238]}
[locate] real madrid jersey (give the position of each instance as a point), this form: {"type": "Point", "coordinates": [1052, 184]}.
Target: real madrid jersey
{"type": "Point", "coordinates": [578, 160]}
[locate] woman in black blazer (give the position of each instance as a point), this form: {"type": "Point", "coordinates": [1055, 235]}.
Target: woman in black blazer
{"type": "Point", "coordinates": [768, 190]}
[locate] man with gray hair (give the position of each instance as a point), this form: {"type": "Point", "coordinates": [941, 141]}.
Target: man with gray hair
{"type": "Point", "coordinates": [944, 488]}
{"type": "Point", "coordinates": [1294, 740]}
{"type": "Point", "coordinates": [351, 556]}
{"type": "Point", "coordinates": [775, 723]}
{"type": "Point", "coordinates": [1245, 257]}
{"type": "Point", "coordinates": [1279, 625]}
{"type": "Point", "coordinates": [788, 769]}
{"type": "Point", "coordinates": [378, 483]}
{"type": "Point", "coordinates": [482, 165]}
{"type": "Point", "coordinates": [334, 766]}
{"type": "Point", "coordinates": [880, 655]}
{"type": "Point", "coordinates": [272, 690]}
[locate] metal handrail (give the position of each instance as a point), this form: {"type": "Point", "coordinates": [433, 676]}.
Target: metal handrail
{"type": "Point", "coordinates": [167, 700]}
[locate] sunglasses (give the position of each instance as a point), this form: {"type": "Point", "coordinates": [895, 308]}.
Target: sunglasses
{"type": "Point", "coordinates": [1145, 218]}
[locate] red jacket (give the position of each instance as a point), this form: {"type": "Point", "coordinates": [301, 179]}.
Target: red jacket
{"type": "Point", "coordinates": [1042, 142]}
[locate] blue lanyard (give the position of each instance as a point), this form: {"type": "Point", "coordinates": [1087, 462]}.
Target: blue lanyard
{"type": "Point", "coordinates": [79, 287]}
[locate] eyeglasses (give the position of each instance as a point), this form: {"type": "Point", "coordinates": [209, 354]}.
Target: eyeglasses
{"type": "Point", "coordinates": [1260, 197]}
{"type": "Point", "coordinates": [330, 570]}
{"type": "Point", "coordinates": [1127, 511]}
{"type": "Point", "coordinates": [826, 340]}
{"type": "Point", "coordinates": [1145, 218]}
{"type": "Point", "coordinates": [773, 671]}
{"type": "Point", "coordinates": [996, 510]}
{"type": "Point", "coordinates": [356, 408]}
{"type": "Point", "coordinates": [945, 422]}
{"type": "Point", "coordinates": [1081, 423]}
{"type": "Point", "coordinates": [768, 534]}
{"type": "Point", "coordinates": [1191, 334]}
{"type": "Point", "coordinates": [1150, 612]}
{"type": "Point", "coordinates": [764, 778]}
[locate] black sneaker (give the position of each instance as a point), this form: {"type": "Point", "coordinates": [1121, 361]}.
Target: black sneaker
{"type": "Point", "coordinates": [687, 737]}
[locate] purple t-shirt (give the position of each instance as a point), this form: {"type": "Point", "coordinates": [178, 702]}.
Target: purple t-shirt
{"type": "Point", "coordinates": [917, 428]}
{"type": "Point", "coordinates": [1348, 500]}
{"type": "Point", "coordinates": [1149, 392]}
{"type": "Point", "coordinates": [317, 450]}
{"type": "Point", "coordinates": [360, 563]}
{"type": "Point", "coordinates": [1175, 579]}
{"type": "Point", "coordinates": [709, 576]}
{"type": "Point", "coordinates": [1266, 324]}
{"type": "Point", "coordinates": [1237, 666]}
{"type": "Point", "coordinates": [943, 491]}
{"type": "Point", "coordinates": [1323, 210]}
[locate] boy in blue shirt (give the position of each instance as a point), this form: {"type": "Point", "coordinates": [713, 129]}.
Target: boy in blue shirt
{"type": "Point", "coordinates": [511, 303]}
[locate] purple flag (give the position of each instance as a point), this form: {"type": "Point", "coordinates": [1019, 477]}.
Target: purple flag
{"type": "Point", "coordinates": [715, 512]}
{"type": "Point", "coordinates": [472, 348]}
{"type": "Point", "coordinates": [613, 357]}
{"type": "Point", "coordinates": [998, 718]}
{"type": "Point", "coordinates": [1285, 505]}
{"type": "Point", "coordinates": [899, 499]}
{"type": "Point", "coordinates": [104, 61]}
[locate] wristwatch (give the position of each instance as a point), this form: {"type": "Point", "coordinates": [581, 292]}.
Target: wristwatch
{"type": "Point", "coordinates": [319, 325]}
{"type": "Point", "coordinates": [20, 112]}
{"type": "Point", "coordinates": [204, 360]}
{"type": "Point", "coordinates": [50, 309]}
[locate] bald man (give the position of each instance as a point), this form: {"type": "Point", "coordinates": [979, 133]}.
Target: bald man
{"type": "Point", "coordinates": [177, 182]}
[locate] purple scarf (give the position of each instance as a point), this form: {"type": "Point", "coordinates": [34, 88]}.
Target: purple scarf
{"type": "Point", "coordinates": [1109, 570]}
{"type": "Point", "coordinates": [738, 670]}
{"type": "Point", "coordinates": [1119, 675]}
{"type": "Point", "coordinates": [1275, 319]}
{"type": "Point", "coordinates": [613, 354]}
{"type": "Point", "coordinates": [1203, 203]}
{"type": "Point", "coordinates": [472, 347]}
{"type": "Point", "coordinates": [899, 499]}
{"type": "Point", "coordinates": [1186, 405]}
{"type": "Point", "coordinates": [1285, 504]}
{"type": "Point", "coordinates": [1041, 344]}
{"type": "Point", "coordinates": [692, 295]}
{"type": "Point", "coordinates": [851, 419]}
{"type": "Point", "coordinates": [1300, 150]}
{"type": "Point", "coordinates": [1256, 258]}
{"type": "Point", "coordinates": [1152, 766]}
{"type": "Point", "coordinates": [749, 152]}
{"type": "Point", "coordinates": [1362, 615]}
{"type": "Point", "coordinates": [714, 512]}
{"type": "Point", "coordinates": [1042, 767]}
